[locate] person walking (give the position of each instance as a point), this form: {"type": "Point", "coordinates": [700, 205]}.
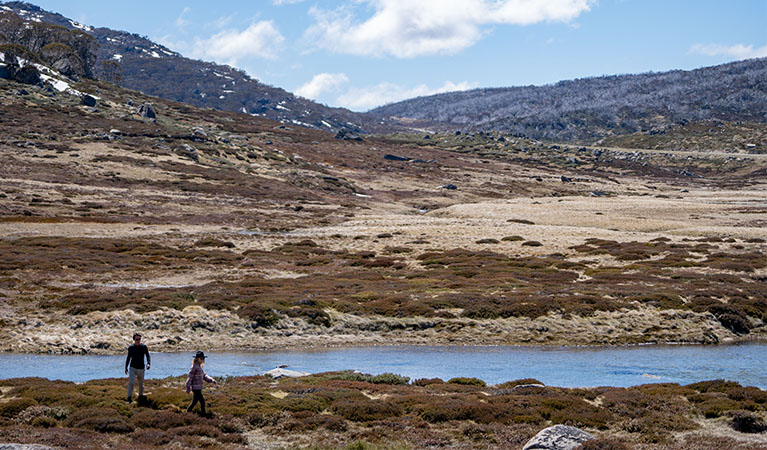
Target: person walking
{"type": "Point", "coordinates": [134, 366]}
{"type": "Point", "coordinates": [195, 380]}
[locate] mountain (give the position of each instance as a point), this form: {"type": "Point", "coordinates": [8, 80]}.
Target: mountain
{"type": "Point", "coordinates": [137, 63]}
{"type": "Point", "coordinates": [593, 108]}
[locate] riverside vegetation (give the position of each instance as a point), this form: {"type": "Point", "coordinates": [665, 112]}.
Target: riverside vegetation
{"type": "Point", "coordinates": [358, 411]}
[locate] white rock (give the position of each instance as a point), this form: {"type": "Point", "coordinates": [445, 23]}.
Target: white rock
{"type": "Point", "coordinates": [558, 437]}
{"type": "Point", "coordinates": [285, 373]}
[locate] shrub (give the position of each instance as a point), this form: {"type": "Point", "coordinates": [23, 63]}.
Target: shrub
{"type": "Point", "coordinates": [384, 378]}
{"type": "Point", "coordinates": [260, 316]}
{"type": "Point", "coordinates": [716, 406]}
{"type": "Point", "coordinates": [211, 242]}
{"type": "Point", "coordinates": [15, 406]}
{"type": "Point", "coordinates": [512, 238]}
{"type": "Point", "coordinates": [423, 382]}
{"type": "Point", "coordinates": [366, 411]}
{"type": "Point", "coordinates": [44, 422]}
{"type": "Point", "coordinates": [748, 422]}
{"type": "Point", "coordinates": [487, 241]}
{"type": "Point", "coordinates": [33, 413]}
{"type": "Point", "coordinates": [103, 420]}
{"type": "Point", "coordinates": [196, 430]}
{"type": "Point", "coordinates": [532, 244]}
{"type": "Point", "coordinates": [162, 420]}
{"type": "Point", "coordinates": [151, 437]}
{"type": "Point", "coordinates": [467, 381]}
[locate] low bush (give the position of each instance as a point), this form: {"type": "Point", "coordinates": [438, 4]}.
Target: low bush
{"type": "Point", "coordinates": [162, 419]}
{"type": "Point", "coordinates": [103, 420]}
{"type": "Point", "coordinates": [748, 422]}
{"type": "Point", "coordinates": [384, 378]}
{"type": "Point", "coordinates": [211, 242]}
{"type": "Point", "coordinates": [467, 381]}
{"type": "Point", "coordinates": [15, 406]}
{"type": "Point", "coordinates": [366, 411]}
{"type": "Point", "coordinates": [423, 382]}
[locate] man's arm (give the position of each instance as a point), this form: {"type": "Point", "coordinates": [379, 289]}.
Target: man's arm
{"type": "Point", "coordinates": [148, 358]}
{"type": "Point", "coordinates": [127, 360]}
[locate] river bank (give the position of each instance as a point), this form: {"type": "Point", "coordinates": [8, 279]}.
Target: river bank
{"type": "Point", "coordinates": [169, 330]}
{"type": "Point", "coordinates": [354, 410]}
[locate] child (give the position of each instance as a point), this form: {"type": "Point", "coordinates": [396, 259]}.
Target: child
{"type": "Point", "coordinates": [194, 382]}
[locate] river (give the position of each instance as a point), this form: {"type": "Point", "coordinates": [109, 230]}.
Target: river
{"type": "Point", "coordinates": [554, 366]}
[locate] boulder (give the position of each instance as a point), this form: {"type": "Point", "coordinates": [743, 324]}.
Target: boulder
{"type": "Point", "coordinates": [190, 152]}
{"type": "Point", "coordinates": [285, 373]}
{"type": "Point", "coordinates": [449, 187]}
{"type": "Point", "coordinates": [89, 100]}
{"type": "Point", "coordinates": [347, 136]}
{"type": "Point", "coordinates": [5, 72]}
{"type": "Point", "coordinates": [558, 437]}
{"type": "Point", "coordinates": [28, 75]}
{"type": "Point", "coordinates": [147, 111]}
{"type": "Point", "coordinates": [66, 67]}
{"type": "Point", "coordinates": [396, 158]}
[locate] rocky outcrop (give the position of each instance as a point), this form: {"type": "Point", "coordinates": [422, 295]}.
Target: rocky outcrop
{"type": "Point", "coordinates": [348, 135]}
{"type": "Point", "coordinates": [558, 437]}
{"type": "Point", "coordinates": [89, 100]}
{"type": "Point", "coordinates": [147, 111]}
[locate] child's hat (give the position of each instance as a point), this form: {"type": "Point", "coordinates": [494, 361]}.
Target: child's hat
{"type": "Point", "coordinates": [199, 355]}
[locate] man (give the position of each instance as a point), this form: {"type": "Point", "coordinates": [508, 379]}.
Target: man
{"type": "Point", "coordinates": [135, 359]}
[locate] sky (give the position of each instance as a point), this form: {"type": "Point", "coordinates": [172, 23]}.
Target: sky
{"type": "Point", "coordinates": [360, 54]}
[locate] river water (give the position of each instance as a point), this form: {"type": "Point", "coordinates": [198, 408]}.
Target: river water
{"type": "Point", "coordinates": [554, 366]}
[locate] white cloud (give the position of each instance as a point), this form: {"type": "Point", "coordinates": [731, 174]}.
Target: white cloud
{"type": "Point", "coordinates": [363, 99]}
{"type": "Point", "coordinates": [322, 83]}
{"type": "Point", "coordinates": [738, 51]}
{"type": "Point", "coordinates": [286, 2]}
{"type": "Point", "coordinates": [181, 20]}
{"type": "Point", "coordinates": [407, 28]}
{"type": "Point", "coordinates": [261, 39]}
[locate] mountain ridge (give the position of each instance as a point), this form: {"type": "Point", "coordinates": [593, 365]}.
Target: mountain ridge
{"type": "Point", "coordinates": [156, 70]}
{"type": "Point", "coordinates": [592, 108]}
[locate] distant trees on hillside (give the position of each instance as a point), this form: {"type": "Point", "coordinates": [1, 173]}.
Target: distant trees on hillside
{"type": "Point", "coordinates": [590, 108]}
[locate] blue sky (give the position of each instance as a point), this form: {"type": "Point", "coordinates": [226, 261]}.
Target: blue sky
{"type": "Point", "coordinates": [363, 53]}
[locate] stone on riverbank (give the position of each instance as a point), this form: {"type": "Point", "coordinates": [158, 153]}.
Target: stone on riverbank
{"type": "Point", "coordinates": [558, 437]}
{"type": "Point", "coordinates": [285, 373]}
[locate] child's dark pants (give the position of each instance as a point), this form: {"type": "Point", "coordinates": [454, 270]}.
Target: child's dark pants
{"type": "Point", "coordinates": [197, 398]}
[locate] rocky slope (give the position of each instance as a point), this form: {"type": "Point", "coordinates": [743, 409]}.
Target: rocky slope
{"type": "Point", "coordinates": [135, 62]}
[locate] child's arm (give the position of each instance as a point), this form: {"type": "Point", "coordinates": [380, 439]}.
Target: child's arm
{"type": "Point", "coordinates": [208, 379]}
{"type": "Point", "coordinates": [189, 380]}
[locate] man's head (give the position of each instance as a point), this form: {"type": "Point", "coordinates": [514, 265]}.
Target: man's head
{"type": "Point", "coordinates": [136, 338]}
